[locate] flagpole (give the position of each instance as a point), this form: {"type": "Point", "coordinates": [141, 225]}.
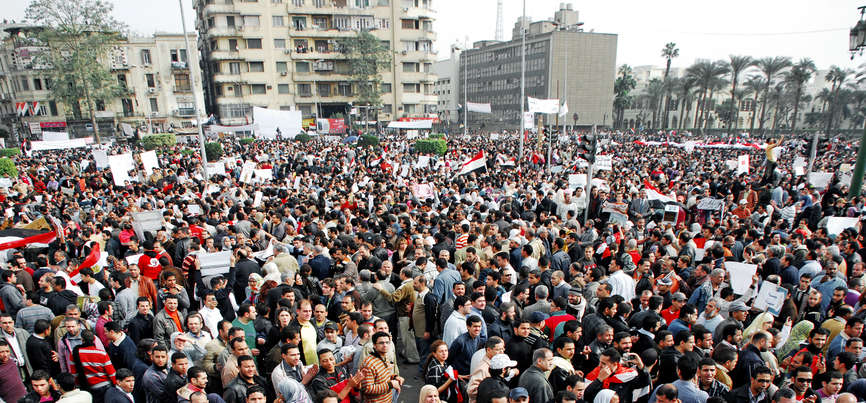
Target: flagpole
{"type": "Point", "coordinates": [522, 80]}
{"type": "Point", "coordinates": [465, 92]}
{"type": "Point", "coordinates": [189, 55]}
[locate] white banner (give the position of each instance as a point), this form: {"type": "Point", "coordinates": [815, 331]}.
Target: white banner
{"type": "Point", "coordinates": [257, 198]}
{"type": "Point", "coordinates": [417, 124]}
{"type": "Point", "coordinates": [120, 166]}
{"type": "Point", "coordinates": [576, 180]}
{"type": "Point", "coordinates": [528, 120]}
{"type": "Point", "coordinates": [149, 160]}
{"type": "Point", "coordinates": [563, 110]}
{"type": "Point", "coordinates": [543, 105]}
{"type": "Point", "coordinates": [146, 221]}
{"type": "Point", "coordinates": [603, 163]}
{"type": "Point", "coordinates": [820, 180]}
{"type": "Point", "coordinates": [741, 275]}
{"type": "Point", "coordinates": [215, 263]}
{"type": "Point", "coordinates": [770, 298]}
{"type": "Point", "coordinates": [835, 225]}
{"type": "Point", "coordinates": [743, 164]}
{"type": "Point", "coordinates": [423, 162]}
{"type": "Point", "coordinates": [267, 121]}
{"type": "Point", "coordinates": [247, 172]}
{"type": "Point", "coordinates": [480, 108]}
{"type": "Point", "coordinates": [709, 203]}
{"type": "Point", "coordinates": [101, 158]}
{"type": "Point", "coordinates": [57, 145]}
{"type": "Point", "coordinates": [263, 175]}
{"type": "Point", "coordinates": [55, 136]}
{"type": "Point", "coordinates": [216, 168]}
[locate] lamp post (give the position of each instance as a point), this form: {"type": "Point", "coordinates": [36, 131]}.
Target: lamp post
{"type": "Point", "coordinates": [190, 57]}
{"type": "Point", "coordinates": [856, 44]}
{"type": "Point", "coordinates": [522, 80]}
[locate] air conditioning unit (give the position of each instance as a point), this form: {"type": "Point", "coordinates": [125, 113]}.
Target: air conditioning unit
{"type": "Point", "coordinates": [151, 90]}
{"type": "Point", "coordinates": [284, 73]}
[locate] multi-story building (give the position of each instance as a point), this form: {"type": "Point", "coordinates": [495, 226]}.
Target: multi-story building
{"type": "Point", "coordinates": [284, 54]}
{"type": "Point", "coordinates": [152, 72]}
{"type": "Point", "coordinates": [557, 51]}
{"type": "Point", "coordinates": [445, 89]}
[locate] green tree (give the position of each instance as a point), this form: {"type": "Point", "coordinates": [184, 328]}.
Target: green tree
{"type": "Point", "coordinates": [738, 64]}
{"type": "Point", "coordinates": [368, 57]}
{"type": "Point", "coordinates": [685, 87]}
{"type": "Point", "coordinates": [754, 85]}
{"type": "Point", "coordinates": [837, 77]}
{"type": "Point", "coordinates": [707, 75]}
{"type": "Point", "coordinates": [669, 52]}
{"type": "Point", "coordinates": [770, 68]}
{"type": "Point", "coordinates": [795, 79]}
{"type": "Point", "coordinates": [622, 88]}
{"type": "Point", "coordinates": [78, 35]}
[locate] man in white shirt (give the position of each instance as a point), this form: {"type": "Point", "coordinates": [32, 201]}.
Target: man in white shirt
{"type": "Point", "coordinates": [211, 314]}
{"type": "Point", "coordinates": [456, 323]}
{"type": "Point", "coordinates": [621, 282]}
{"type": "Point", "coordinates": [17, 339]}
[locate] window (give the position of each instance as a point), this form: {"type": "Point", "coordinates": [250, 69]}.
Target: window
{"type": "Point", "coordinates": [233, 45]}
{"type": "Point", "coordinates": [305, 90]}
{"type": "Point", "coordinates": [428, 89]}
{"type": "Point", "coordinates": [256, 67]}
{"type": "Point", "coordinates": [411, 88]}
{"type": "Point", "coordinates": [254, 43]}
{"type": "Point", "coordinates": [322, 46]}
{"type": "Point", "coordinates": [151, 83]}
{"type": "Point", "coordinates": [37, 84]}
{"type": "Point", "coordinates": [52, 106]}
{"type": "Point", "coordinates": [409, 109]}
{"type": "Point", "coordinates": [278, 21]}
{"type": "Point", "coordinates": [25, 84]}
{"type": "Point", "coordinates": [301, 45]}
{"type": "Point", "coordinates": [302, 67]}
{"type": "Point", "coordinates": [181, 82]}
{"type": "Point", "coordinates": [235, 68]}
{"type": "Point", "coordinates": [178, 55]}
{"type": "Point", "coordinates": [145, 56]}
{"type": "Point", "coordinates": [410, 67]}
{"type": "Point", "coordinates": [387, 108]}
{"type": "Point", "coordinates": [382, 3]}
{"type": "Point", "coordinates": [409, 24]}
{"type": "Point", "coordinates": [299, 23]}
{"type": "Point", "coordinates": [386, 88]}
{"type": "Point", "coordinates": [282, 88]}
{"type": "Point", "coordinates": [345, 89]}
{"type": "Point", "coordinates": [362, 3]}
{"type": "Point", "coordinates": [258, 89]}
{"type": "Point", "coordinates": [279, 43]}
{"type": "Point", "coordinates": [230, 21]}
{"type": "Point", "coordinates": [154, 106]}
{"type": "Point", "coordinates": [306, 109]}
{"type": "Point", "coordinates": [251, 20]}
{"type": "Point", "coordinates": [298, 3]}
{"type": "Point", "coordinates": [320, 22]}
{"type": "Point", "coordinates": [323, 89]}
{"type": "Point", "coordinates": [282, 67]}
{"type": "Point", "coordinates": [100, 105]}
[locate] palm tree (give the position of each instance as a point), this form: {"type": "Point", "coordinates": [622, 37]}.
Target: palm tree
{"type": "Point", "coordinates": [705, 74]}
{"type": "Point", "coordinates": [739, 95]}
{"type": "Point", "coordinates": [837, 77]}
{"type": "Point", "coordinates": [684, 87]}
{"type": "Point", "coordinates": [770, 67]}
{"type": "Point", "coordinates": [669, 52]}
{"type": "Point", "coordinates": [622, 88]}
{"type": "Point", "coordinates": [738, 64]}
{"type": "Point", "coordinates": [754, 85]}
{"type": "Point", "coordinates": [717, 84]}
{"type": "Point", "coordinates": [653, 95]}
{"type": "Point", "coordinates": [795, 79]}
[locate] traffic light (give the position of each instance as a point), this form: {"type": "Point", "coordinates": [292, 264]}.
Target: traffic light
{"type": "Point", "coordinates": [588, 147]}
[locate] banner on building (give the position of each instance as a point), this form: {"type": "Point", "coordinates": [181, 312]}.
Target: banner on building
{"type": "Point", "coordinates": [543, 105]}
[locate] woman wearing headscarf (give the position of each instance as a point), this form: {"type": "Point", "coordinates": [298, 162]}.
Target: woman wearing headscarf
{"type": "Point", "coordinates": [291, 391]}
{"type": "Point", "coordinates": [799, 333]}
{"type": "Point", "coordinates": [606, 396]}
{"type": "Point", "coordinates": [253, 289]}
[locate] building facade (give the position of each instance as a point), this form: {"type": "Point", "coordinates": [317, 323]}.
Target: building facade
{"type": "Point", "coordinates": [445, 89]}
{"type": "Point", "coordinates": [284, 54]}
{"type": "Point", "coordinates": [153, 73]}
{"type": "Point", "coordinates": [586, 61]}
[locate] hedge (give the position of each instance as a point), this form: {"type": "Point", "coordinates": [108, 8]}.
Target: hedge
{"type": "Point", "coordinates": [246, 140]}
{"type": "Point", "coordinates": [303, 138]}
{"type": "Point", "coordinates": [431, 146]}
{"type": "Point", "coordinates": [213, 151]}
{"type": "Point", "coordinates": [368, 141]}
{"type": "Point", "coordinates": [155, 141]}
{"type": "Point", "coordinates": [10, 152]}
{"type": "Point", "coordinates": [7, 168]}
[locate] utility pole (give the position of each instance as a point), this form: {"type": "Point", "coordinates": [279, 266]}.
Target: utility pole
{"type": "Point", "coordinates": [190, 58]}
{"type": "Point", "coordinates": [590, 148]}
{"type": "Point", "coordinates": [464, 56]}
{"type": "Point", "coordinates": [857, 42]}
{"type": "Point", "coordinates": [522, 80]}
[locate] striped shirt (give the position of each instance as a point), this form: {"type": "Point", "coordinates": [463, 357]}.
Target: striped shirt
{"type": "Point", "coordinates": [376, 386]}
{"type": "Point", "coordinates": [462, 240]}
{"type": "Point", "coordinates": [97, 367]}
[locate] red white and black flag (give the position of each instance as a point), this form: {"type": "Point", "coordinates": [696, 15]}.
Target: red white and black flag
{"type": "Point", "coordinates": [479, 161]}
{"type": "Point", "coordinates": [14, 238]}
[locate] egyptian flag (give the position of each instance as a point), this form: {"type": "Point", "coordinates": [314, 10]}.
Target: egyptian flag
{"type": "Point", "coordinates": [14, 238]}
{"type": "Point", "coordinates": [90, 261]}
{"type": "Point", "coordinates": [654, 194]}
{"type": "Point", "coordinates": [623, 374]}
{"type": "Point", "coordinates": [479, 161]}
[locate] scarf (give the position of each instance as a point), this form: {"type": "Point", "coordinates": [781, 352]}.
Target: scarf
{"type": "Point", "coordinates": [175, 318]}
{"type": "Point", "coordinates": [622, 374]}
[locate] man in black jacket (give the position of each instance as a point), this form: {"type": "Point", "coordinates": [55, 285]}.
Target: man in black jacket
{"type": "Point", "coordinates": [39, 350]}
{"type": "Point", "coordinates": [519, 347]}
{"type": "Point", "coordinates": [236, 390]}
{"type": "Point", "coordinates": [750, 359]}
{"type": "Point", "coordinates": [242, 270]}
{"type": "Point", "coordinates": [140, 326]}
{"type": "Point", "coordinates": [61, 297]}
{"type": "Point", "coordinates": [176, 377]}
{"type": "Point", "coordinates": [754, 391]}
{"type": "Point", "coordinates": [122, 392]}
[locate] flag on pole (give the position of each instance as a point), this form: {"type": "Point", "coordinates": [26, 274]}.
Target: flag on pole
{"type": "Point", "coordinates": [563, 110]}
{"type": "Point", "coordinates": [14, 238]}
{"type": "Point", "coordinates": [477, 162]}
{"type": "Point", "coordinates": [90, 261]}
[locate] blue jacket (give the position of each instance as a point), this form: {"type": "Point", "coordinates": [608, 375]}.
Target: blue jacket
{"type": "Point", "coordinates": [444, 284]}
{"type": "Point", "coordinates": [321, 266]}
{"type": "Point", "coordinates": [461, 351]}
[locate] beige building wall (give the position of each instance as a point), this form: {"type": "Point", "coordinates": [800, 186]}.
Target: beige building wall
{"type": "Point", "coordinates": [589, 59]}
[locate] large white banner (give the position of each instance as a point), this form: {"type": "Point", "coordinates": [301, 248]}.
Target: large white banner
{"type": "Point", "coordinates": [55, 136]}
{"type": "Point", "coordinates": [743, 164]}
{"type": "Point", "coordinates": [216, 168]}
{"type": "Point", "coordinates": [146, 221]}
{"type": "Point", "coordinates": [267, 121]}
{"type": "Point", "coordinates": [480, 108]}
{"type": "Point", "coordinates": [57, 145]}
{"type": "Point", "coordinates": [543, 105]}
{"type": "Point", "coordinates": [101, 158]}
{"type": "Point", "coordinates": [740, 275]}
{"type": "Point", "coordinates": [528, 119]}
{"type": "Point", "coordinates": [149, 160]}
{"type": "Point", "coordinates": [120, 166]}
{"type": "Point", "coordinates": [215, 263]}
{"type": "Point", "coordinates": [603, 163]}
{"type": "Point", "coordinates": [835, 225]}
{"type": "Point", "coordinates": [415, 124]}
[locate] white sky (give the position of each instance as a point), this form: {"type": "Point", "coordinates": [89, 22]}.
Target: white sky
{"type": "Point", "coordinates": [701, 29]}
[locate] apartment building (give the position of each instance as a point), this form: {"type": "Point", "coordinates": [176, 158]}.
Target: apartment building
{"type": "Point", "coordinates": [153, 73]}
{"type": "Point", "coordinates": [284, 54]}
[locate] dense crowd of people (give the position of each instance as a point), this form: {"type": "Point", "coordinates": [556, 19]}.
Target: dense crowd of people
{"type": "Point", "coordinates": [504, 284]}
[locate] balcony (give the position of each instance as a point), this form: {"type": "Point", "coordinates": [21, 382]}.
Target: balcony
{"type": "Point", "coordinates": [323, 7]}
{"type": "Point", "coordinates": [226, 77]}
{"type": "Point", "coordinates": [419, 12]}
{"type": "Point", "coordinates": [184, 112]}
{"type": "Point", "coordinates": [311, 54]}
{"type": "Point", "coordinates": [222, 31]}
{"type": "Point", "coordinates": [211, 9]}
{"type": "Point", "coordinates": [182, 89]}
{"type": "Point", "coordinates": [178, 65]}
{"type": "Point", "coordinates": [311, 32]}
{"type": "Point", "coordinates": [225, 55]}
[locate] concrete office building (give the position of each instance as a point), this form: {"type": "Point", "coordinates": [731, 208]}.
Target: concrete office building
{"type": "Point", "coordinates": [445, 89]}
{"type": "Point", "coordinates": [284, 54]}
{"type": "Point", "coordinates": [588, 59]}
{"type": "Point", "coordinates": [153, 73]}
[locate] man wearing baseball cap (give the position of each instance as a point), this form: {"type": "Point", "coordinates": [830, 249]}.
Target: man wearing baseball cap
{"type": "Point", "coordinates": [518, 395]}
{"type": "Point", "coordinates": [501, 372]}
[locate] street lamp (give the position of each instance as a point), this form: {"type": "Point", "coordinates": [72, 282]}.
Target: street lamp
{"type": "Point", "coordinates": [856, 44]}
